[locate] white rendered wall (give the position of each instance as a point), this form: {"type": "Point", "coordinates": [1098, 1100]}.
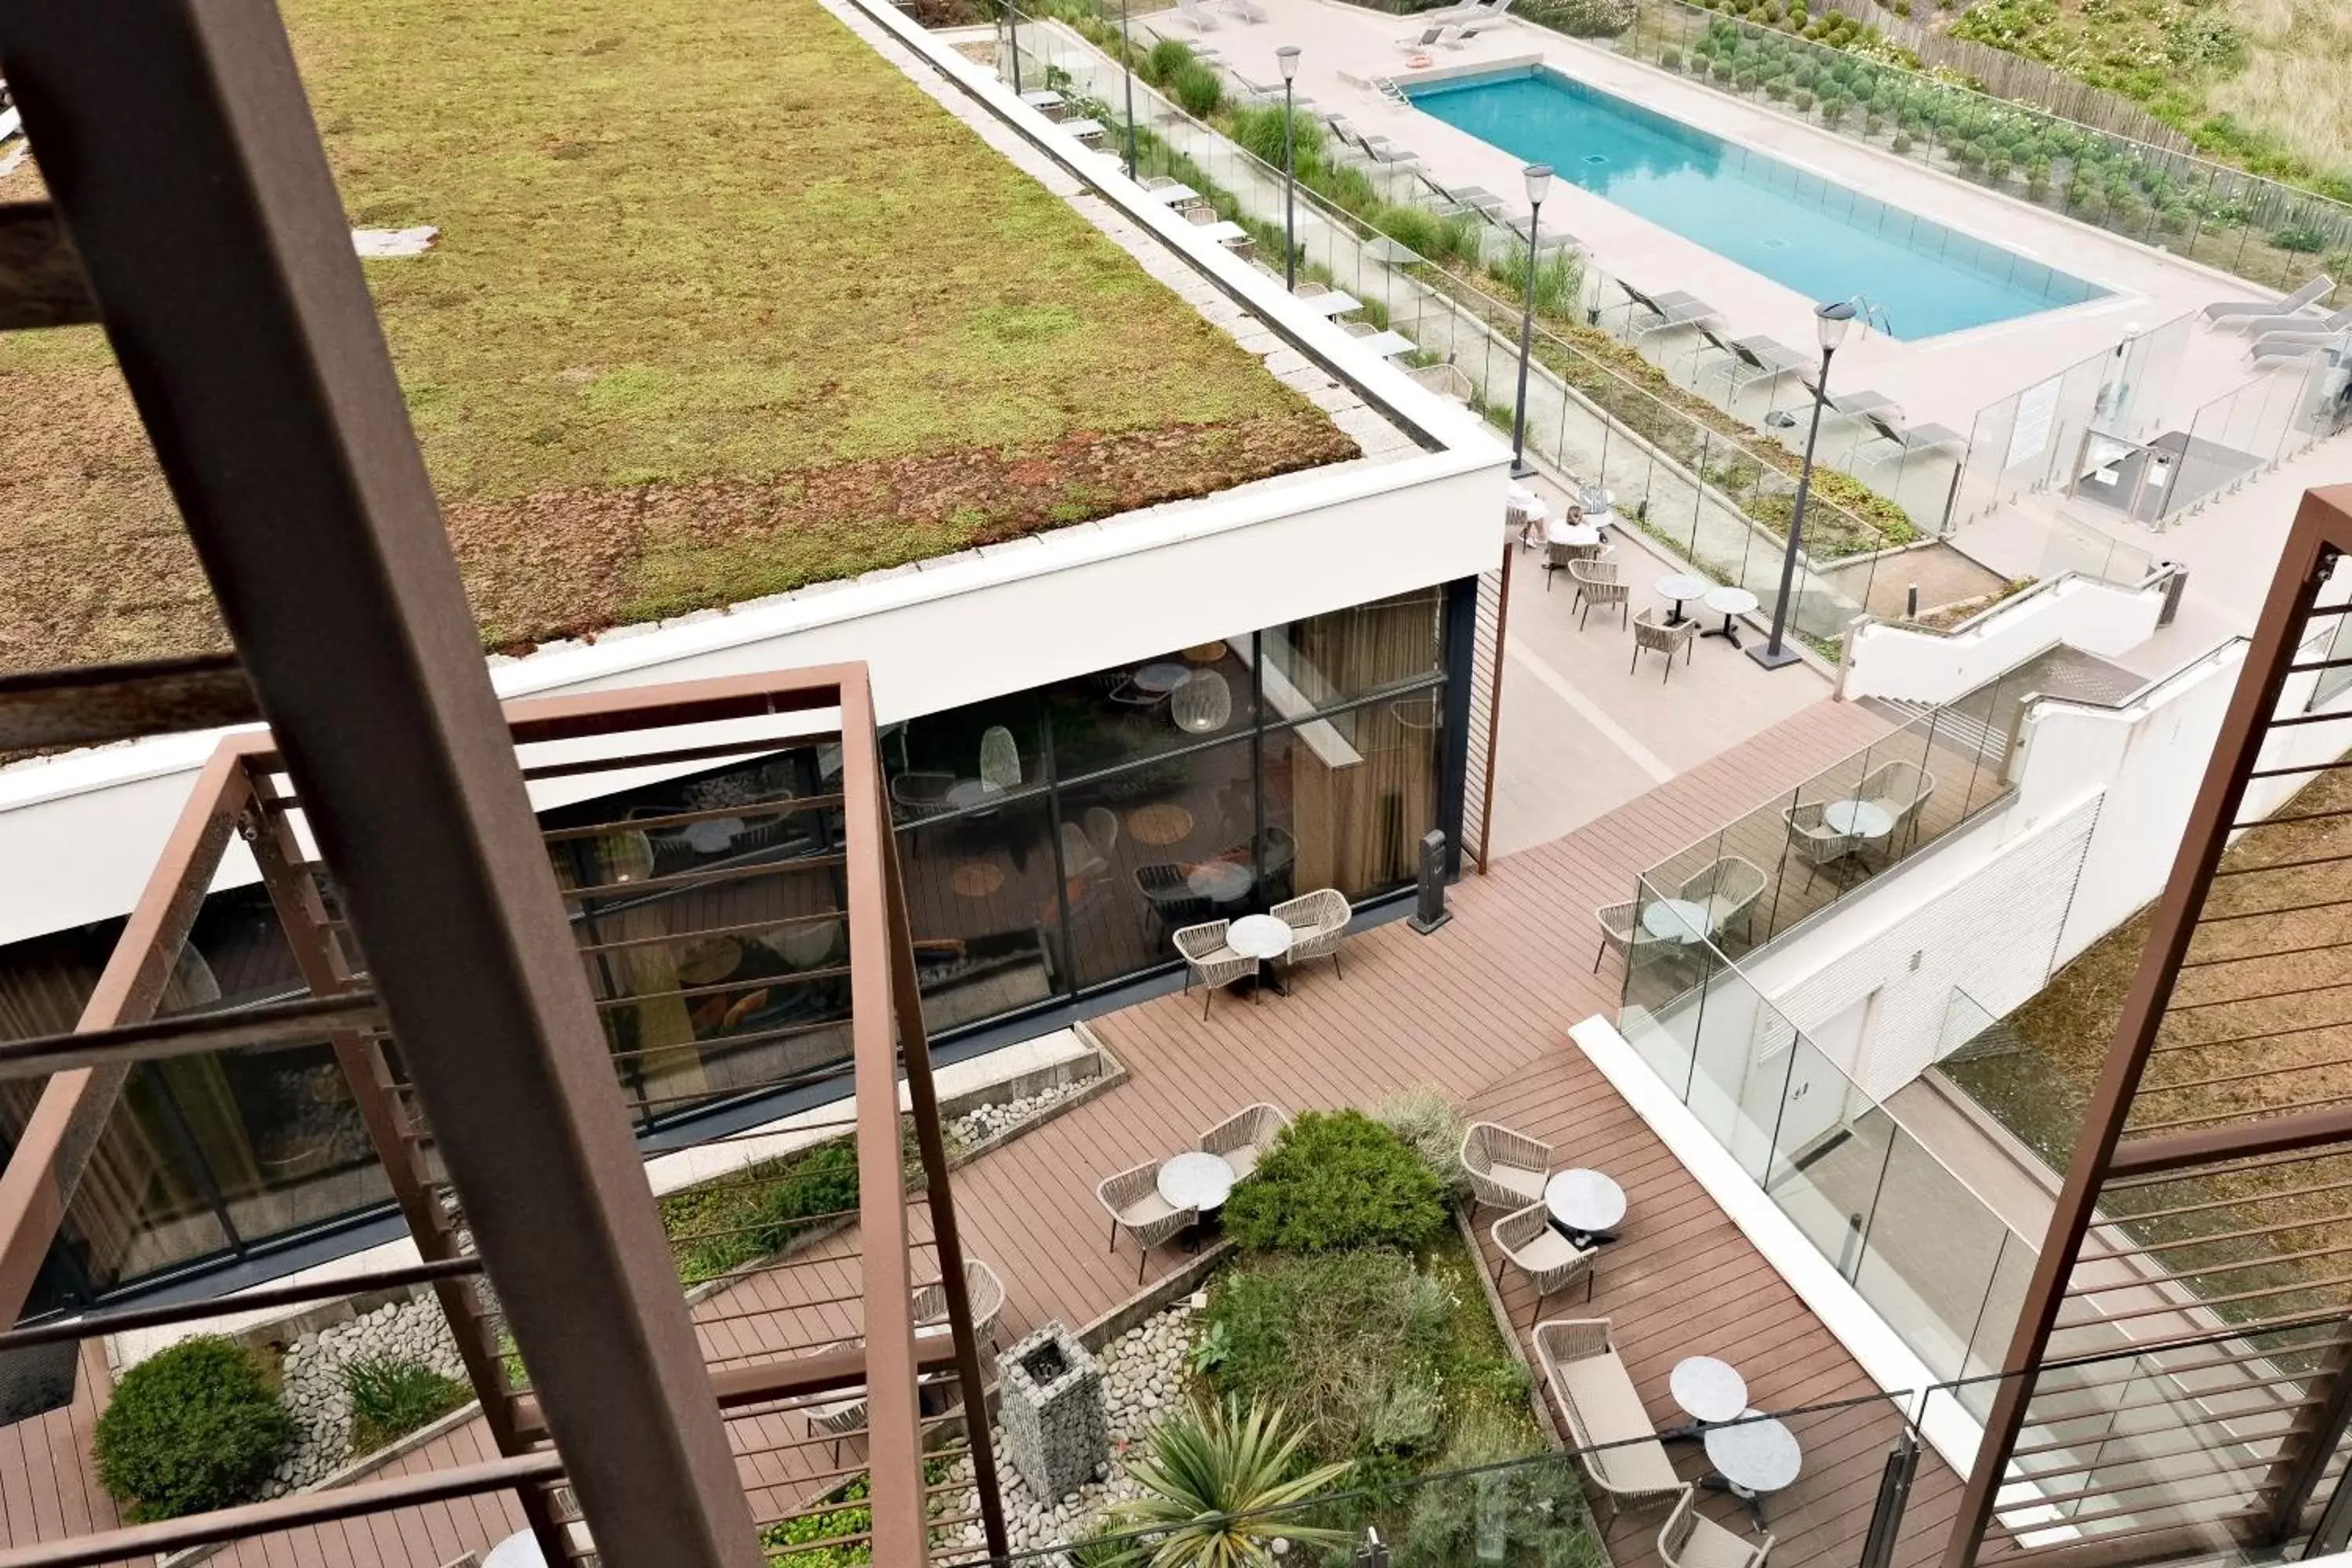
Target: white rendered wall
{"type": "Point", "coordinates": [1888, 660]}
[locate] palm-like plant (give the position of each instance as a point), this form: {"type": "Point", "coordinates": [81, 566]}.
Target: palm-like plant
{"type": "Point", "coordinates": [1214, 1484]}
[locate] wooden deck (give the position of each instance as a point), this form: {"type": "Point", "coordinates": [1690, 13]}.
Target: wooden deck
{"type": "Point", "coordinates": [1480, 1008]}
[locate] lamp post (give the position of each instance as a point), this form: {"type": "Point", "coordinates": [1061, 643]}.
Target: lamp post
{"type": "Point", "coordinates": [1012, 22]}
{"type": "Point", "coordinates": [1831, 323]}
{"type": "Point", "coordinates": [1287, 56]}
{"type": "Point", "coordinates": [1539, 178]}
{"type": "Point", "coordinates": [1127, 61]}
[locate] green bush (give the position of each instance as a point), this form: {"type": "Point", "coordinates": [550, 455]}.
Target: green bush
{"type": "Point", "coordinates": [1588, 18]}
{"type": "Point", "coordinates": [2301, 237]}
{"type": "Point", "coordinates": [1336, 1179]}
{"type": "Point", "coordinates": [726, 1224]}
{"type": "Point", "coordinates": [1258, 128]}
{"type": "Point", "coordinates": [1197, 89]}
{"type": "Point", "coordinates": [1167, 59]}
{"type": "Point", "coordinates": [1539, 1506]}
{"type": "Point", "coordinates": [1671, 58]}
{"type": "Point", "coordinates": [394, 1396]}
{"type": "Point", "coordinates": [1428, 1121]}
{"type": "Point", "coordinates": [189, 1429]}
{"type": "Point", "coordinates": [852, 1517]}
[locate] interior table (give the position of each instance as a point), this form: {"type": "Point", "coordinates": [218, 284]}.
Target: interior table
{"type": "Point", "coordinates": [1678, 920]}
{"type": "Point", "coordinates": [1587, 1206]}
{"type": "Point", "coordinates": [1751, 1457]}
{"type": "Point", "coordinates": [1730, 603]}
{"type": "Point", "coordinates": [1858, 818]}
{"type": "Point", "coordinates": [1706, 1390]}
{"type": "Point", "coordinates": [1195, 1180]}
{"type": "Point", "coordinates": [1221, 882]}
{"type": "Point", "coordinates": [1159, 679]}
{"type": "Point", "coordinates": [965, 794]}
{"type": "Point", "coordinates": [1678, 589]}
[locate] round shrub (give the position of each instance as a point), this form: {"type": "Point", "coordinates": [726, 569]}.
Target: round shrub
{"type": "Point", "coordinates": [1333, 1181]}
{"type": "Point", "coordinates": [190, 1429]}
{"type": "Point", "coordinates": [1671, 58]}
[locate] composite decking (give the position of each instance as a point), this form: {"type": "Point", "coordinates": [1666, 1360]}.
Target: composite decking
{"type": "Point", "coordinates": [1481, 1008]}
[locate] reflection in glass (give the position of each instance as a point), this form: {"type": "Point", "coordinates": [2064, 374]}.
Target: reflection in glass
{"type": "Point", "coordinates": [984, 909]}
{"type": "Point", "coordinates": [1348, 797]}
{"type": "Point", "coordinates": [963, 757]}
{"type": "Point", "coordinates": [1156, 848]}
{"type": "Point", "coordinates": [1133, 711]}
{"type": "Point", "coordinates": [1330, 658]}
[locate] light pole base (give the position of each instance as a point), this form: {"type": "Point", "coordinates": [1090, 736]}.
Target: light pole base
{"type": "Point", "coordinates": [1772, 658]}
{"type": "Point", "coordinates": [1522, 469]}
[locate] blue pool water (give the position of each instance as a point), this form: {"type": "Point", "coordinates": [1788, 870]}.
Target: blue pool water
{"type": "Point", "coordinates": [1806, 233]}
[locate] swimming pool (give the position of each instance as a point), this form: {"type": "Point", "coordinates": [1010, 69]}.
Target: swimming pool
{"type": "Point", "coordinates": [1812, 235]}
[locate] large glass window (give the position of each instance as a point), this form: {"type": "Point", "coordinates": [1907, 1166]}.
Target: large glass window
{"type": "Point", "coordinates": [1050, 842]}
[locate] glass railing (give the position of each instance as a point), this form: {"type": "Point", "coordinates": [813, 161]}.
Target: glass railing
{"type": "Point", "coordinates": [1935, 1260]}
{"type": "Point", "coordinates": [2251, 429]}
{"type": "Point", "coordinates": [1719, 498]}
{"type": "Point", "coordinates": [1531, 1511]}
{"type": "Point", "coordinates": [1802, 851]}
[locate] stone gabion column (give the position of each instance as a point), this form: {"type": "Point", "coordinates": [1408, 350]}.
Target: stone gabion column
{"type": "Point", "coordinates": [1050, 1407]}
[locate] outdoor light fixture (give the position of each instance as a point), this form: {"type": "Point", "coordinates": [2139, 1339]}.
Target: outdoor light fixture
{"type": "Point", "coordinates": [1127, 65]}
{"type": "Point", "coordinates": [1288, 57]}
{"type": "Point", "coordinates": [1539, 178]}
{"type": "Point", "coordinates": [1831, 323]}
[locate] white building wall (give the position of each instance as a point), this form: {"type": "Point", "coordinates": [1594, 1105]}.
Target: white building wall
{"type": "Point", "coordinates": [1898, 662]}
{"type": "Point", "coordinates": [1987, 924]}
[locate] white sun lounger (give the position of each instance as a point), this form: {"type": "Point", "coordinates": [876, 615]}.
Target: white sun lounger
{"type": "Point", "coordinates": [1196, 16]}
{"type": "Point", "coordinates": [2308, 322]}
{"type": "Point", "coordinates": [2278, 348]}
{"type": "Point", "coordinates": [2234, 312]}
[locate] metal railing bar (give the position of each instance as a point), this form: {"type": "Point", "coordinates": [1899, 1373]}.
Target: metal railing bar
{"type": "Point", "coordinates": [752, 812]}
{"type": "Point", "coordinates": [244, 1302]}
{"type": "Point", "coordinates": [302, 1020]}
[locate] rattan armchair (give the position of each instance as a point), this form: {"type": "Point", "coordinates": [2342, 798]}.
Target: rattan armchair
{"type": "Point", "coordinates": [1652, 634]}
{"type": "Point", "coordinates": [1620, 929]}
{"type": "Point", "coordinates": [983, 1293]}
{"type": "Point", "coordinates": [1597, 583]}
{"type": "Point", "coordinates": [837, 1419]}
{"type": "Point", "coordinates": [1691, 1540]}
{"type": "Point", "coordinates": [1506, 1169]}
{"type": "Point", "coordinates": [1133, 1200]}
{"type": "Point", "coordinates": [1559, 556]}
{"type": "Point", "coordinates": [1727, 889]}
{"type": "Point", "coordinates": [1901, 789]}
{"type": "Point", "coordinates": [1551, 1262]}
{"type": "Point", "coordinates": [1242, 1140]}
{"type": "Point", "coordinates": [1817, 844]}
{"type": "Point", "coordinates": [1318, 920]}
{"type": "Point", "coordinates": [1208, 960]}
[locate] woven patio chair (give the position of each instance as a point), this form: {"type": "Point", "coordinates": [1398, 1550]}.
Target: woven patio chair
{"type": "Point", "coordinates": [1597, 583]}
{"type": "Point", "coordinates": [1901, 789]}
{"type": "Point", "coordinates": [1652, 634]}
{"type": "Point", "coordinates": [1551, 1262]}
{"type": "Point", "coordinates": [1133, 1200]}
{"type": "Point", "coordinates": [1817, 844]}
{"type": "Point", "coordinates": [1242, 1139]}
{"type": "Point", "coordinates": [1727, 889]}
{"type": "Point", "coordinates": [1318, 922]}
{"type": "Point", "coordinates": [1691, 1540]}
{"type": "Point", "coordinates": [1208, 960]}
{"type": "Point", "coordinates": [983, 1293]}
{"type": "Point", "coordinates": [1506, 1169]}
{"type": "Point", "coordinates": [837, 1419]}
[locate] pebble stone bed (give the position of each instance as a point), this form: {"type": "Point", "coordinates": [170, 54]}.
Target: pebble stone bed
{"type": "Point", "coordinates": [1143, 1372]}
{"type": "Point", "coordinates": [312, 1382]}
{"type": "Point", "coordinates": [978, 1126]}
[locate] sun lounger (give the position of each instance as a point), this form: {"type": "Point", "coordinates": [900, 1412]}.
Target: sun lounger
{"type": "Point", "coordinates": [1907, 439]}
{"type": "Point", "coordinates": [1472, 13]}
{"type": "Point", "coordinates": [1196, 16]}
{"type": "Point", "coordinates": [2231, 312]}
{"type": "Point", "coordinates": [1668, 310]}
{"type": "Point", "coordinates": [2265, 327]}
{"type": "Point", "coordinates": [1249, 11]}
{"type": "Point", "coordinates": [2281, 348]}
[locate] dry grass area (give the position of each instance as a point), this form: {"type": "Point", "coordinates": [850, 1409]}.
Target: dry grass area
{"type": "Point", "coordinates": [2297, 80]}
{"type": "Point", "coordinates": [2260, 1023]}
{"type": "Point", "coordinates": [723, 304]}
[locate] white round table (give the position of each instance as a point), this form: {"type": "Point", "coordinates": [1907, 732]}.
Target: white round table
{"type": "Point", "coordinates": [1195, 1180]}
{"type": "Point", "coordinates": [1678, 920]}
{"type": "Point", "coordinates": [1678, 589]}
{"type": "Point", "coordinates": [1260, 937]}
{"type": "Point", "coordinates": [1758, 1456]}
{"type": "Point", "coordinates": [1730, 603]}
{"type": "Point", "coordinates": [520, 1549]}
{"type": "Point", "coordinates": [1160, 678]}
{"type": "Point", "coordinates": [1707, 1389]}
{"type": "Point", "coordinates": [1562, 531]}
{"type": "Point", "coordinates": [710, 837]}
{"type": "Point", "coordinates": [1858, 818]}
{"type": "Point", "coordinates": [1221, 882]}
{"type": "Point", "coordinates": [1584, 1202]}
{"type": "Point", "coordinates": [965, 794]}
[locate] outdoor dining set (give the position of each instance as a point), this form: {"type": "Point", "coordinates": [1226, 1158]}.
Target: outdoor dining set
{"type": "Point", "coordinates": [1555, 1226]}
{"type": "Point", "coordinates": [1163, 1199]}
{"type": "Point", "coordinates": [1577, 544]}
{"type": "Point", "coordinates": [1257, 949]}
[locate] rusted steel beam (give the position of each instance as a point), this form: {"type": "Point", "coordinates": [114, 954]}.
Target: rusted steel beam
{"type": "Point", "coordinates": [71, 1113]}
{"type": "Point", "coordinates": [2323, 528]}
{"type": "Point", "coordinates": [269, 1024]}
{"type": "Point", "coordinates": [98, 703]}
{"type": "Point", "coordinates": [216, 243]}
{"type": "Point", "coordinates": [41, 283]}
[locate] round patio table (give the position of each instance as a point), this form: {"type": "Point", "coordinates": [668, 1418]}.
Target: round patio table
{"type": "Point", "coordinates": [1679, 920]}
{"type": "Point", "coordinates": [1195, 1180]}
{"type": "Point", "coordinates": [520, 1549]}
{"type": "Point", "coordinates": [1585, 1203]}
{"type": "Point", "coordinates": [1859, 818]}
{"type": "Point", "coordinates": [1708, 1390]}
{"type": "Point", "coordinates": [1159, 679]}
{"type": "Point", "coordinates": [1678, 589]}
{"type": "Point", "coordinates": [1263, 938]}
{"type": "Point", "coordinates": [1562, 532]}
{"type": "Point", "coordinates": [1730, 603]}
{"type": "Point", "coordinates": [1752, 1458]}
{"type": "Point", "coordinates": [965, 794]}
